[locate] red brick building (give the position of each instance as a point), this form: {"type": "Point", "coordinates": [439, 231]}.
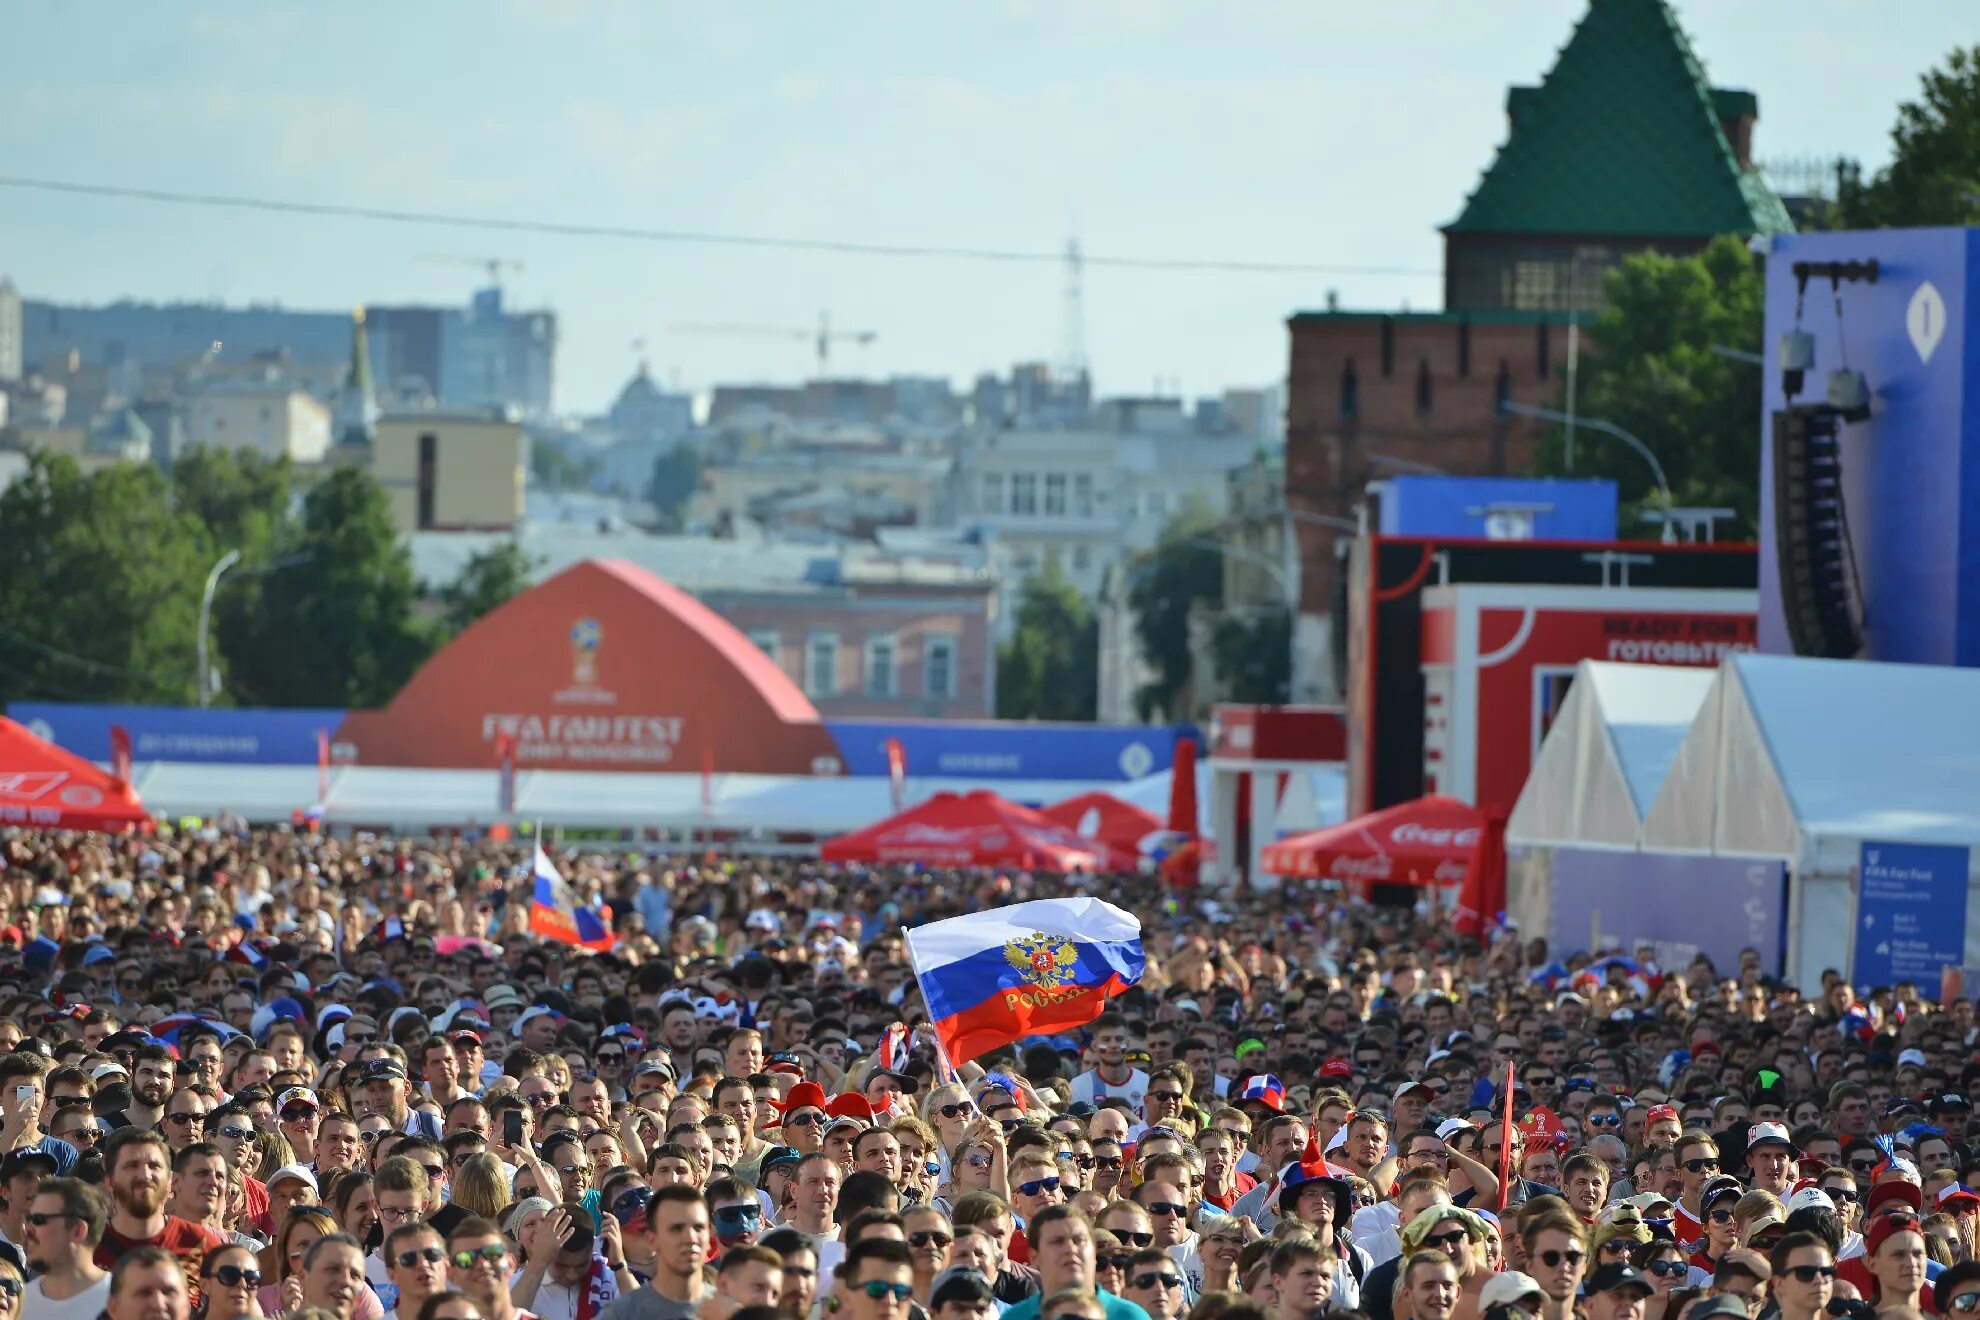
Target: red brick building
{"type": "Point", "coordinates": [1624, 147]}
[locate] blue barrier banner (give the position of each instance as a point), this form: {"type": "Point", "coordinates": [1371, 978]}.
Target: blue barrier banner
{"type": "Point", "coordinates": [1910, 913]}
{"type": "Point", "coordinates": [1007, 749]}
{"type": "Point", "coordinates": [183, 733]}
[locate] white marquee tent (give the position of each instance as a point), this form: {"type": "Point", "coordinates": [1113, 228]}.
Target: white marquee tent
{"type": "Point", "coordinates": [1806, 760]}
{"type": "Point", "coordinates": [1606, 755]}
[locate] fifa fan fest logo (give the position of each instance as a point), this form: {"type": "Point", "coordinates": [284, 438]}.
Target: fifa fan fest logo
{"type": "Point", "coordinates": [586, 634]}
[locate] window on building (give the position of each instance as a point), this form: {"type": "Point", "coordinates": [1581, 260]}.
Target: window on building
{"type": "Point", "coordinates": [938, 667]}
{"type": "Point", "coordinates": [880, 676]}
{"type": "Point", "coordinates": [1024, 493]}
{"type": "Point", "coordinates": [428, 479]}
{"type": "Point", "coordinates": [821, 665]}
{"type": "Point", "coordinates": [993, 493]}
{"type": "Point", "coordinates": [1083, 494]}
{"type": "Point", "coordinates": [1350, 393]}
{"type": "Point", "coordinates": [765, 640]}
{"type": "Point", "coordinates": [1055, 494]}
{"type": "Point", "coordinates": [1082, 558]}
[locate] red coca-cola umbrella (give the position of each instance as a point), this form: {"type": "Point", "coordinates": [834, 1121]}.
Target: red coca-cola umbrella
{"type": "Point", "coordinates": [968, 829]}
{"type": "Point", "coordinates": [1106, 823]}
{"type": "Point", "coordinates": [1426, 842]}
{"type": "Point", "coordinates": [46, 787]}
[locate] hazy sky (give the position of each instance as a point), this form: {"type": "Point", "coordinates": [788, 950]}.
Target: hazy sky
{"type": "Point", "coordinates": [1307, 131]}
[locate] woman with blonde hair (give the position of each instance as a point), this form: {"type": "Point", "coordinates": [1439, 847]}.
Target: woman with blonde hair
{"type": "Point", "coordinates": [481, 1186]}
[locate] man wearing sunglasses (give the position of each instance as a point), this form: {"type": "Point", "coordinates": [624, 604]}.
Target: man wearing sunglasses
{"type": "Point", "coordinates": [1697, 1164]}
{"type": "Point", "coordinates": [1556, 1256]}
{"type": "Point", "coordinates": [1161, 1194]}
{"type": "Point", "coordinates": [1804, 1276]}
{"type": "Point", "coordinates": [478, 1265]}
{"type": "Point", "coordinates": [65, 1222]}
{"type": "Point", "coordinates": [416, 1262]}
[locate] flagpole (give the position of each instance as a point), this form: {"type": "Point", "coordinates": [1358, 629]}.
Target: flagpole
{"type": "Point", "coordinates": [1506, 1141]}
{"type": "Point", "coordinates": [941, 1051]}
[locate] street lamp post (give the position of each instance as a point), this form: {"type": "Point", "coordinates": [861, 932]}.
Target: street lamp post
{"type": "Point", "coordinates": [1606, 428]}
{"type": "Point", "coordinates": [227, 561]}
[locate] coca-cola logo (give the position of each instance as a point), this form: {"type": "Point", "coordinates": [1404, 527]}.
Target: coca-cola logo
{"type": "Point", "coordinates": [920, 832]}
{"type": "Point", "coordinates": [82, 795]}
{"type": "Point", "coordinates": [1377, 867]}
{"type": "Point", "coordinates": [1410, 834]}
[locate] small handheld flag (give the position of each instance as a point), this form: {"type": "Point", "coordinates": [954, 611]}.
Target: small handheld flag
{"type": "Point", "coordinates": [555, 915]}
{"type": "Point", "coordinates": [992, 978]}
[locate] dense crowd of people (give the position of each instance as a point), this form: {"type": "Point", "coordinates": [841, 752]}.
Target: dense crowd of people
{"type": "Point", "coordinates": [250, 1073]}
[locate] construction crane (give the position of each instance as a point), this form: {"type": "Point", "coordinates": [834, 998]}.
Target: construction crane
{"type": "Point", "coordinates": [493, 265]}
{"type": "Point", "coordinates": [822, 338]}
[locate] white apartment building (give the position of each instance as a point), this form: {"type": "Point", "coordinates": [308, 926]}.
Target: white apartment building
{"type": "Point", "coordinates": [1087, 500]}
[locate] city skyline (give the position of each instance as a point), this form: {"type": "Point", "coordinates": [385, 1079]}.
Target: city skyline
{"type": "Point", "coordinates": [1146, 130]}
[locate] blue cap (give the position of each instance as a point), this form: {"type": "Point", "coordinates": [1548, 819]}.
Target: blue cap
{"type": "Point", "coordinates": [40, 954]}
{"type": "Point", "coordinates": [98, 953]}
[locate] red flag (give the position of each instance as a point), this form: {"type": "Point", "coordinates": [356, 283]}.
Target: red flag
{"type": "Point", "coordinates": [1182, 788]}
{"type": "Point", "coordinates": [322, 765]}
{"type": "Point", "coordinates": [120, 752]}
{"type": "Point", "coordinates": [505, 761]}
{"type": "Point", "coordinates": [1481, 905]}
{"type": "Point", "coordinates": [1506, 1143]}
{"type": "Point", "coordinates": [897, 772]}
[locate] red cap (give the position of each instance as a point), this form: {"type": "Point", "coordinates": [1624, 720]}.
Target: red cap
{"type": "Point", "coordinates": [1337, 1067]}
{"type": "Point", "coordinates": [1882, 1230]}
{"type": "Point", "coordinates": [1656, 1112]}
{"type": "Point", "coordinates": [1906, 1194]}
{"type": "Point", "coordinates": [805, 1095]}
{"type": "Point", "coordinates": [849, 1105]}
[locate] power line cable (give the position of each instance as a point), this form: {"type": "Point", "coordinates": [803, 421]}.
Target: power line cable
{"type": "Point", "coordinates": [713, 238]}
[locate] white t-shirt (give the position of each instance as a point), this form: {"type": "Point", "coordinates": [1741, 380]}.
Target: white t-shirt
{"type": "Point", "coordinates": [1088, 1087]}
{"type": "Point", "coordinates": [556, 1301]}
{"type": "Point", "coordinates": [85, 1305]}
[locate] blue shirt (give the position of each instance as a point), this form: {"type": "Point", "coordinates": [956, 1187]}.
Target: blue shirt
{"type": "Point", "coordinates": [1117, 1308]}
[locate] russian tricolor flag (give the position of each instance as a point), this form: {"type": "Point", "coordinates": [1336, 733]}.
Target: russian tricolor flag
{"type": "Point", "coordinates": [555, 915]}
{"type": "Point", "coordinates": [1030, 969]}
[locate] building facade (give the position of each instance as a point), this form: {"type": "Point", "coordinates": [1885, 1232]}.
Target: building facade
{"type": "Point", "coordinates": [1623, 148]}
{"type": "Point", "coordinates": [274, 421]}
{"type": "Point", "coordinates": [452, 470]}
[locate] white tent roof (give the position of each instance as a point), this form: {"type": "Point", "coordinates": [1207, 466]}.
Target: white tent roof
{"type": "Point", "coordinates": [1804, 759]}
{"type": "Point", "coordinates": [1607, 754]}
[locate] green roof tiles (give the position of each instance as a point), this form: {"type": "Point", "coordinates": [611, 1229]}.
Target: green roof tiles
{"type": "Point", "coordinates": [1622, 139]}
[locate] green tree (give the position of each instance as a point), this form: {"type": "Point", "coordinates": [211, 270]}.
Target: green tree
{"type": "Point", "coordinates": [488, 579]}
{"type": "Point", "coordinates": [1657, 370]}
{"type": "Point", "coordinates": [1184, 570]}
{"type": "Point", "coordinates": [554, 466]}
{"type": "Point", "coordinates": [676, 476]}
{"type": "Point", "coordinates": [1254, 657]}
{"type": "Point", "coordinates": [340, 630]}
{"type": "Point", "coordinates": [246, 503]}
{"type": "Point", "coordinates": [1050, 669]}
{"type": "Point", "coordinates": [1934, 173]}
{"type": "Point", "coordinates": [100, 580]}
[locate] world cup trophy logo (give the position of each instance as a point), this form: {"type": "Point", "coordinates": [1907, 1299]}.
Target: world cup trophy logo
{"type": "Point", "coordinates": [585, 636]}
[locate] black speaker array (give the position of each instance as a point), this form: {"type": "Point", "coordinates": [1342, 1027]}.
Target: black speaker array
{"type": "Point", "coordinates": [1819, 591]}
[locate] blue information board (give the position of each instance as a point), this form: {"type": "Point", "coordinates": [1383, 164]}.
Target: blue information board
{"type": "Point", "coordinates": [1910, 913]}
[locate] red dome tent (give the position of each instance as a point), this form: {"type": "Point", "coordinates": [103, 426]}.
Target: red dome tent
{"type": "Point", "coordinates": [1430, 841]}
{"type": "Point", "coordinates": [1105, 822]}
{"type": "Point", "coordinates": [45, 787]}
{"type": "Point", "coordinates": [968, 829]}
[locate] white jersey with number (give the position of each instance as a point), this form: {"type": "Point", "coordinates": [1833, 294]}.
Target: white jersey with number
{"type": "Point", "coordinates": [1088, 1087]}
